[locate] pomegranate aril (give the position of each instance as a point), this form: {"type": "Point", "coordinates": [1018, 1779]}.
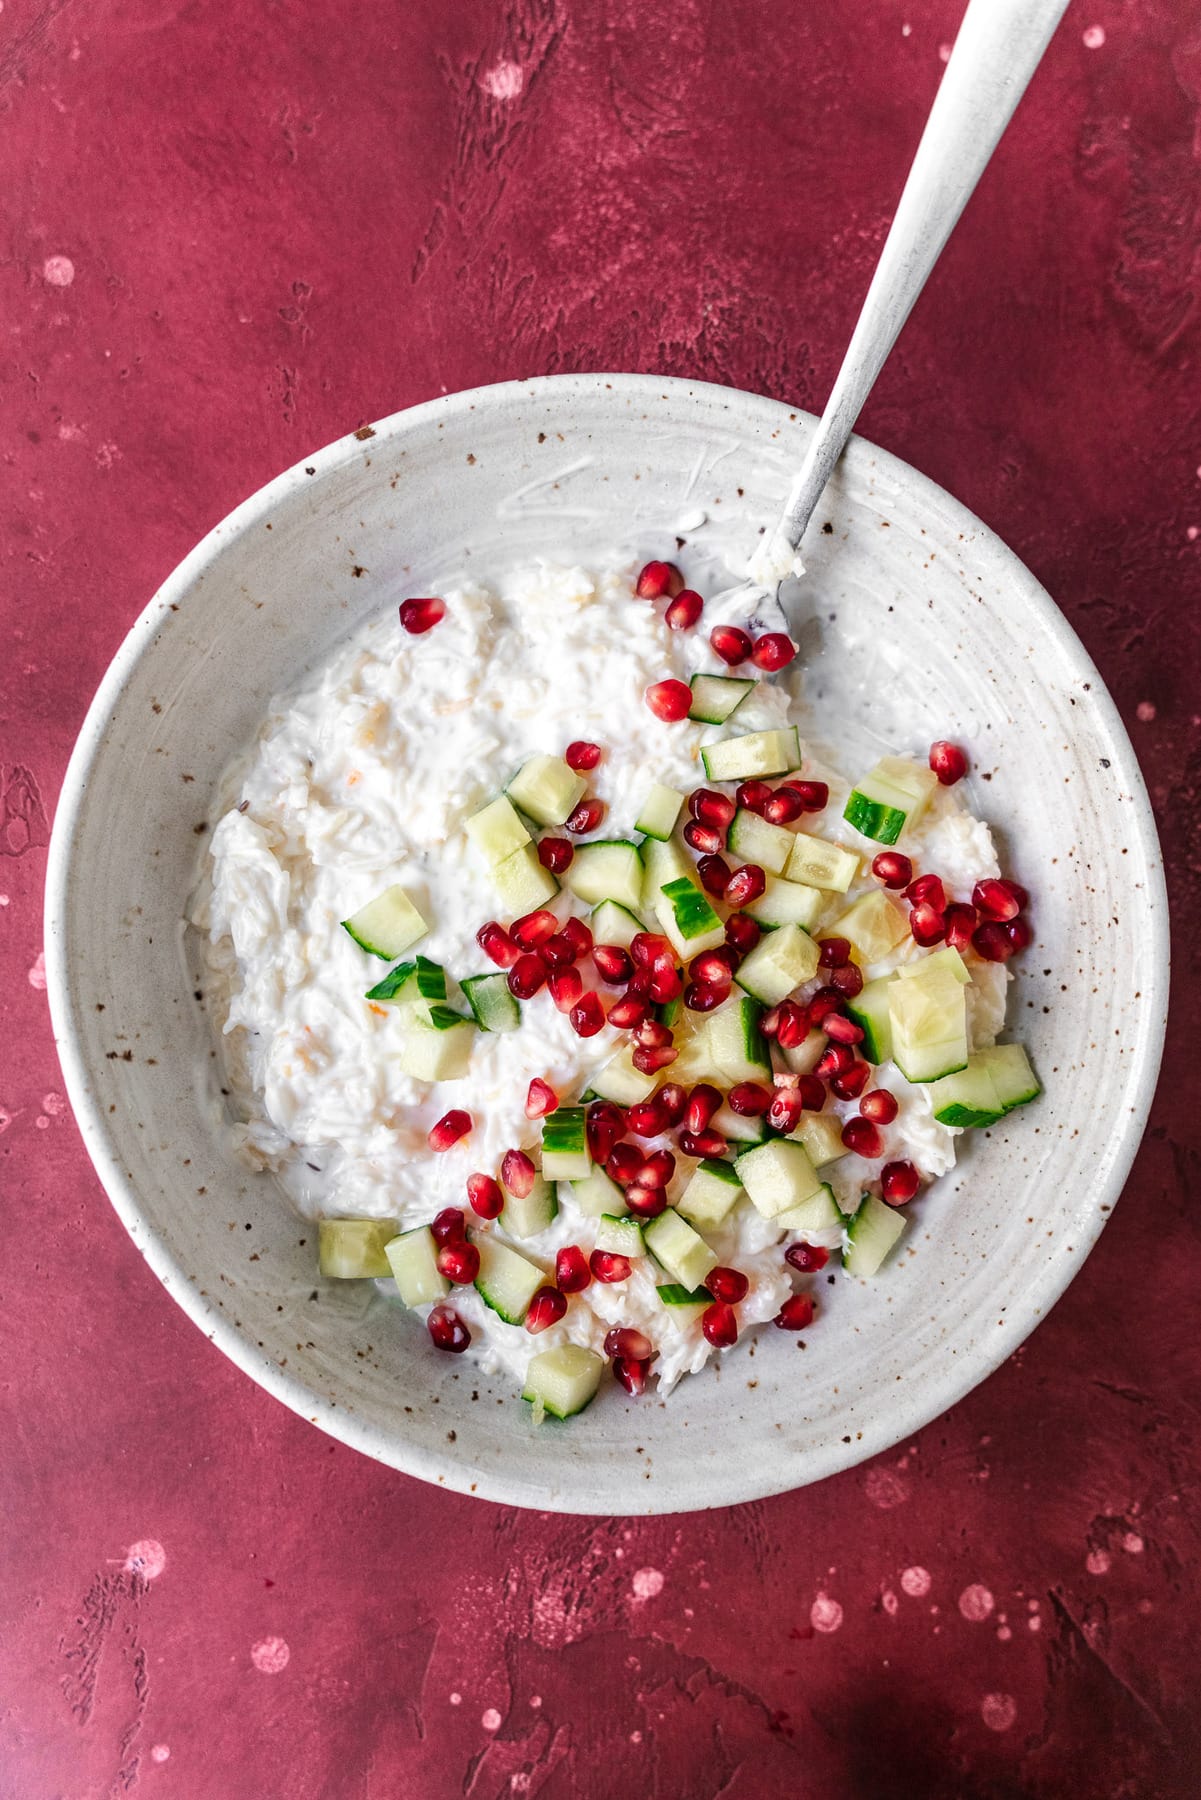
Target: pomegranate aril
{"type": "Point", "coordinates": [1020, 935]}
{"type": "Point", "coordinates": [657, 1170]}
{"type": "Point", "coordinates": [754, 795]}
{"type": "Point", "coordinates": [700, 997]}
{"type": "Point", "coordinates": [684, 610]}
{"type": "Point", "coordinates": [646, 948]}
{"type": "Point", "coordinates": [784, 1113]}
{"type": "Point", "coordinates": [814, 794]}
{"type": "Point", "coordinates": [669, 700]}
{"type": "Point", "coordinates": [773, 651]}
{"type": "Point", "coordinates": [587, 1016]}
{"type": "Point", "coordinates": [555, 854]}
{"type": "Point", "coordinates": [606, 1265]}
{"type": "Point", "coordinates": [995, 900]}
{"type": "Point", "coordinates": [714, 872]}
{"type": "Point", "coordinates": [658, 578]}
{"type": "Point", "coordinates": [649, 1062]}
{"type": "Point", "coordinates": [992, 941]}
{"type": "Point", "coordinates": [450, 1128]}
{"type": "Point", "coordinates": [624, 1340]}
{"type": "Point", "coordinates": [948, 762]}
{"type": "Point", "coordinates": [732, 645]}
{"type": "Point", "coordinates": [712, 808]}
{"type": "Point", "coordinates": [421, 615]}
{"type": "Point", "coordinates": [720, 1325]}
{"type": "Point", "coordinates": [1017, 892]}
{"type": "Point", "coordinates": [716, 967]}
{"type": "Point", "coordinates": [749, 1099]}
{"type": "Point", "coordinates": [851, 1082]}
{"type": "Point", "coordinates": [627, 1013]}
{"type": "Point", "coordinates": [647, 1202]}
{"type": "Point", "coordinates": [835, 951]}
{"type": "Point", "coordinates": [447, 1329]}
{"type": "Point", "coordinates": [586, 817]}
{"type": "Point", "coordinates": [449, 1226]}
{"type": "Point", "coordinates": [459, 1263]}
{"type": "Point", "coordinates": [643, 1120]}
{"type": "Point", "coordinates": [743, 932]}
{"type": "Point", "coordinates": [899, 1182]}
{"type": "Point", "coordinates": [808, 1258]}
{"type": "Point", "coordinates": [485, 1196]}
{"type": "Point", "coordinates": [702, 1143]}
{"type": "Point", "coordinates": [545, 1309]}
{"type": "Point", "coordinates": [812, 1092]}
{"type": "Point", "coordinates": [792, 1024]}
{"type": "Point", "coordinates": [653, 1034]}
{"type": "Point", "coordinates": [572, 1273]}
{"type": "Point", "coordinates": [672, 1103]}
{"type": "Point", "coordinates": [558, 952]}
{"type": "Point", "coordinates": [785, 805]}
{"type": "Point", "coordinates": [579, 937]}
{"type": "Point", "coordinates": [745, 884]}
{"type": "Point", "coordinates": [927, 924]}
{"type": "Point", "coordinates": [848, 980]}
{"type": "Point", "coordinates": [518, 1173]}
{"type": "Point", "coordinates": [861, 1136]}
{"type": "Point", "coordinates": [534, 928]}
{"type": "Point", "coordinates": [581, 756]}
{"type": "Point", "coordinates": [959, 922]}
{"type": "Point", "coordinates": [879, 1106]}
{"type": "Point", "coordinates": [842, 1030]}
{"type": "Point", "coordinates": [835, 1060]}
{"type": "Point", "coordinates": [527, 975]}
{"type": "Point", "coordinates": [612, 964]}
{"type": "Point", "coordinates": [703, 1102]}
{"type": "Point", "coordinates": [704, 838]}
{"type": "Point", "coordinates": [631, 1373]}
{"type": "Point", "coordinates": [892, 868]}
{"type": "Point", "coordinates": [827, 1000]}
{"type": "Point", "coordinates": [540, 1100]}
{"type": "Point", "coordinates": [927, 890]}
{"type": "Point", "coordinates": [625, 1161]}
{"type": "Point", "coordinates": [605, 1125]}
{"type": "Point", "coordinates": [666, 981]}
{"type": "Point", "coordinates": [496, 944]}
{"type": "Point", "coordinates": [566, 986]}
{"type": "Point", "coordinates": [729, 1285]}
{"type": "Point", "coordinates": [796, 1314]}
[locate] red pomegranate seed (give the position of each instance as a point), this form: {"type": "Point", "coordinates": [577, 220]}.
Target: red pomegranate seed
{"type": "Point", "coordinates": [605, 1125]}
{"type": "Point", "coordinates": [959, 922]}
{"type": "Point", "coordinates": [586, 817]}
{"type": "Point", "coordinates": [1017, 892]}
{"type": "Point", "coordinates": [459, 1263]}
{"type": "Point", "coordinates": [644, 1120]}
{"type": "Point", "coordinates": [892, 868]}
{"type": "Point", "coordinates": [792, 1024]}
{"type": "Point", "coordinates": [631, 1374]}
{"type": "Point", "coordinates": [612, 964]}
{"type": "Point", "coordinates": [626, 1013]}
{"type": "Point", "coordinates": [657, 1170]}
{"type": "Point", "coordinates": [587, 1016]}
{"type": "Point", "coordinates": [848, 980]}
{"type": "Point", "coordinates": [555, 854]}
{"type": "Point", "coordinates": [646, 948]}
{"type": "Point", "coordinates": [684, 610]}
{"type": "Point", "coordinates": [714, 872]}
{"type": "Point", "coordinates": [815, 794]}
{"type": "Point", "coordinates": [485, 1196]}
{"type": "Point", "coordinates": [785, 805]}
{"type": "Point", "coordinates": [743, 932]}
{"type": "Point", "coordinates": [447, 1329]}
{"type": "Point", "coordinates": [527, 975]}
{"type": "Point", "coordinates": [546, 1308]}
{"type": "Point", "coordinates": [558, 952]}
{"type": "Point", "coordinates": [699, 997]}
{"type": "Point", "coordinates": [812, 1093]}
{"type": "Point", "coordinates": [450, 1128]}
{"type": "Point", "coordinates": [647, 1202]}
{"type": "Point", "coordinates": [732, 645]}
{"type": "Point", "coordinates": [746, 884]}
{"type": "Point", "coordinates": [715, 967]}
{"type": "Point", "coordinates": [579, 937]}
{"type": "Point", "coordinates": [729, 1285]}
{"type": "Point", "coordinates": [754, 795]}
{"type": "Point", "coordinates": [750, 1099]}
{"type": "Point", "coordinates": [704, 838]}
{"type": "Point", "coordinates": [948, 762]}
{"type": "Point", "coordinates": [842, 1030]}
{"type": "Point", "coordinates": [625, 1161]}
{"type": "Point", "coordinates": [808, 1258]}
{"type": "Point", "coordinates": [995, 900]}
{"type": "Point", "coordinates": [540, 1100]}
{"type": "Point", "coordinates": [927, 924]}
{"type": "Point", "coordinates": [658, 578]}
{"type": "Point", "coordinates": [566, 987]}
{"type": "Point", "coordinates": [581, 756]}
{"type": "Point", "coordinates": [773, 651]}
{"type": "Point", "coordinates": [653, 1034]}
{"type": "Point", "coordinates": [649, 1062]}
{"type": "Point", "coordinates": [607, 1266]}
{"type": "Point", "coordinates": [861, 1136]}
{"type": "Point", "coordinates": [534, 928]}
{"type": "Point", "coordinates": [703, 1102]}
{"type": "Point", "coordinates": [704, 1144]}
{"type": "Point", "coordinates": [449, 1226]}
{"type": "Point", "coordinates": [836, 1060]}
{"type": "Point", "coordinates": [518, 1173]}
{"type": "Point", "coordinates": [666, 981]}
{"type": "Point", "coordinates": [418, 616]}
{"type": "Point", "coordinates": [927, 890]}
{"type": "Point", "coordinates": [879, 1106]}
{"type": "Point", "coordinates": [669, 700]}
{"type": "Point", "coordinates": [712, 808]}
{"type": "Point", "coordinates": [796, 1314]}
{"type": "Point", "coordinates": [835, 951]}
{"type": "Point", "coordinates": [720, 1325]}
{"type": "Point", "coordinates": [784, 1113]}
{"type": "Point", "coordinates": [624, 1340]}
{"type": "Point", "coordinates": [572, 1273]}
{"type": "Point", "coordinates": [496, 943]}
{"type": "Point", "coordinates": [992, 941]}
{"type": "Point", "coordinates": [851, 1082]}
{"type": "Point", "coordinates": [827, 1000]}
{"type": "Point", "coordinates": [899, 1182]}
{"type": "Point", "coordinates": [1020, 935]}
{"type": "Point", "coordinates": [672, 1102]}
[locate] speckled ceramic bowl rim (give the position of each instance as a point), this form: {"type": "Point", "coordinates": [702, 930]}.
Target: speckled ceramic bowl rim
{"type": "Point", "coordinates": [959, 1378]}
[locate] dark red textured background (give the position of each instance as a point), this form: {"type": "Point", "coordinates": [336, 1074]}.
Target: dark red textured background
{"type": "Point", "coordinates": [230, 233]}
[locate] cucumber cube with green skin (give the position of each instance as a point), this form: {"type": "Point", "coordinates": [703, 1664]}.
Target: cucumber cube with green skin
{"type": "Point", "coordinates": [354, 1249]}
{"type": "Point", "coordinates": [714, 1188]}
{"type": "Point", "coordinates": [388, 925]}
{"type": "Point", "coordinates": [526, 1215]}
{"type": "Point", "coordinates": [734, 1044]}
{"type": "Point", "coordinates": [803, 1058]}
{"type": "Point", "coordinates": [820, 1212]}
{"type": "Point", "coordinates": [494, 1007]}
{"type": "Point", "coordinates": [778, 965]}
{"type": "Point", "coordinates": [873, 927]}
{"type": "Point", "coordinates": [621, 1082]}
{"type": "Point", "coordinates": [522, 883]}
{"type": "Point", "coordinates": [892, 795]}
{"type": "Point", "coordinates": [871, 1234]}
{"type": "Point", "coordinates": [948, 960]}
{"type": "Point", "coordinates": [413, 1260]}
{"type": "Point", "coordinates": [869, 1010]}
{"type": "Point", "coordinates": [413, 983]}
{"type": "Point", "coordinates": [777, 1176]}
{"type": "Point", "coordinates": [716, 698]}
{"type": "Point", "coordinates": [610, 869]}
{"type": "Point", "coordinates": [689, 922]}
{"type": "Point", "coordinates": [562, 1381]}
{"type": "Point", "coordinates": [929, 1026]}
{"type": "Point", "coordinates": [821, 1134]}
{"type": "Point", "coordinates": [658, 814]}
{"type": "Point", "coordinates": [507, 1281]}
{"type": "Point", "coordinates": [787, 903]}
{"type": "Point", "coordinates": [821, 864]}
{"type": "Point", "coordinates": [546, 789]}
{"type": "Point", "coordinates": [754, 755]}
{"type": "Point", "coordinates": [684, 1306]}
{"type": "Point", "coordinates": [1014, 1079]}
{"type": "Point", "coordinates": [753, 840]}
{"type": "Point", "coordinates": [614, 924]}
{"type": "Point", "coordinates": [597, 1194]}
{"type": "Point", "coordinates": [439, 1050]}
{"type": "Point", "coordinates": [496, 831]}
{"type": "Point", "coordinates": [739, 1128]}
{"type": "Point", "coordinates": [565, 1153]}
{"type": "Point", "coordinates": [679, 1249]}
{"type": "Point", "coordinates": [620, 1235]}
{"type": "Point", "coordinates": [967, 1099]}
{"type": "Point", "coordinates": [662, 862]}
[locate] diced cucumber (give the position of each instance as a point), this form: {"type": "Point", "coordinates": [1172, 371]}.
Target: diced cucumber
{"type": "Point", "coordinates": [621, 1082]}
{"type": "Point", "coordinates": [756, 753]}
{"type": "Point", "coordinates": [804, 1057]}
{"type": "Point", "coordinates": [752, 840]}
{"type": "Point", "coordinates": [689, 922]}
{"type": "Point", "coordinates": [892, 795]}
{"type": "Point", "coordinates": [565, 1154]}
{"type": "Point", "coordinates": [507, 1281]}
{"type": "Point", "coordinates": [494, 1007]}
{"type": "Point", "coordinates": [871, 1234]}
{"type": "Point", "coordinates": [778, 964]}
{"type": "Point", "coordinates": [353, 1249]}
{"type": "Point", "coordinates": [1014, 1079]}
{"type": "Point", "coordinates": [679, 1249]}
{"type": "Point", "coordinates": [668, 1011]}
{"type": "Point", "coordinates": [734, 1044]}
{"type": "Point", "coordinates": [522, 883]}
{"type": "Point", "coordinates": [388, 925]}
{"type": "Point", "coordinates": [821, 864]}
{"type": "Point", "coordinates": [412, 983]}
{"type": "Point", "coordinates": [739, 1128]}
{"type": "Point", "coordinates": [777, 1176]}
{"type": "Point", "coordinates": [546, 789]}
{"type": "Point", "coordinates": [496, 831]}
{"type": "Point", "coordinates": [684, 1306]}
{"type": "Point", "coordinates": [662, 861]}
{"type": "Point", "coordinates": [869, 1010]}
{"type": "Point", "coordinates": [562, 1381]}
{"type": "Point", "coordinates": [929, 1026]}
{"type": "Point", "coordinates": [716, 698]}
{"type": "Point", "coordinates": [413, 1260]}
{"type": "Point", "coordinates": [873, 927]}
{"type": "Point", "coordinates": [818, 1213]}
{"type": "Point", "coordinates": [438, 1050]}
{"type": "Point", "coordinates": [525, 1215]}
{"type": "Point", "coordinates": [597, 1194]}
{"type": "Point", "coordinates": [610, 869]}
{"type": "Point", "coordinates": [659, 812]}
{"type": "Point", "coordinates": [620, 1234]}
{"type": "Point", "coordinates": [614, 924]}
{"type": "Point", "coordinates": [821, 1134]}
{"type": "Point", "coordinates": [947, 959]}
{"type": "Point", "coordinates": [712, 1191]}
{"type": "Point", "coordinates": [786, 903]}
{"type": "Point", "coordinates": [968, 1098]}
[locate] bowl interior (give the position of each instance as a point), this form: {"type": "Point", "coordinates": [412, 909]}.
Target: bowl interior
{"type": "Point", "coordinates": [918, 623]}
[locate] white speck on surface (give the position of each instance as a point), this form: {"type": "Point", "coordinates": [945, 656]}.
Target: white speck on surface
{"type": "Point", "coordinates": [270, 1655]}
{"type": "Point", "coordinates": [3, 899]}
{"type": "Point", "coordinates": [647, 1583]}
{"type": "Point", "coordinates": [944, 53]}
{"type": "Point", "coordinates": [146, 1558]}
{"type": "Point", "coordinates": [54, 1104]}
{"type": "Point", "coordinates": [535, 1701]}
{"type": "Point", "coordinates": [975, 1602]}
{"type": "Point", "coordinates": [59, 271]}
{"type": "Point", "coordinates": [1034, 1622]}
{"type": "Point", "coordinates": [889, 1602]}
{"type": "Point", "coordinates": [1004, 1633]}
{"type": "Point", "coordinates": [1097, 1562]}
{"type": "Point", "coordinates": [1192, 533]}
{"type": "Point", "coordinates": [456, 1699]}
{"type": "Point", "coordinates": [1145, 711]}
{"type": "Point", "coordinates": [42, 1122]}
{"type": "Point", "coordinates": [916, 1582]}
{"type": "Point", "coordinates": [885, 1489]}
{"type": "Point", "coordinates": [37, 974]}
{"type": "Point", "coordinates": [159, 1752]}
{"type": "Point", "coordinates": [635, 1737]}
{"type": "Point", "coordinates": [905, 30]}
{"type": "Point", "coordinates": [490, 1720]}
{"type": "Point", "coordinates": [504, 80]}
{"type": "Point", "coordinates": [1093, 36]}
{"type": "Point", "coordinates": [1133, 1544]}
{"type": "Point", "coordinates": [825, 1615]}
{"type": "Point", "coordinates": [998, 1711]}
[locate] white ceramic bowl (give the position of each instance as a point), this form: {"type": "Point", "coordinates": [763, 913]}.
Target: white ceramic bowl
{"type": "Point", "coordinates": [925, 625]}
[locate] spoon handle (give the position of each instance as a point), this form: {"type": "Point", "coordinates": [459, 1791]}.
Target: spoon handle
{"type": "Point", "coordinates": [999, 46]}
